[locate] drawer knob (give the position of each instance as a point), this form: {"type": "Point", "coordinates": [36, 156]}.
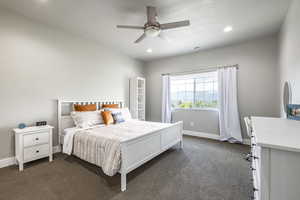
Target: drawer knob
{"type": "Point", "coordinates": [248, 156]}
{"type": "Point", "coordinates": [252, 168]}
{"type": "Point", "coordinates": [37, 151]}
{"type": "Point", "coordinates": [255, 157]}
{"type": "Point", "coordinates": [36, 138]}
{"type": "Point", "coordinates": [255, 189]}
{"type": "Point", "coordinates": [253, 145]}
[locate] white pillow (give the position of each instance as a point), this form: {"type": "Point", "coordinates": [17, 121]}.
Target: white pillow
{"type": "Point", "coordinates": [124, 111]}
{"type": "Point", "coordinates": [87, 119]}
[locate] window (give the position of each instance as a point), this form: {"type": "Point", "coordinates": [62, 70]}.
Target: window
{"type": "Point", "coordinates": [195, 90]}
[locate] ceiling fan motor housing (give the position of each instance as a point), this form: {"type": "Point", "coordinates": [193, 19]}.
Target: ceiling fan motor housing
{"type": "Point", "coordinates": [152, 30]}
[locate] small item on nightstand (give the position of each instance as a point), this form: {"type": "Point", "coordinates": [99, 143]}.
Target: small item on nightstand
{"type": "Point", "coordinates": [22, 125]}
{"type": "Point", "coordinates": [41, 123]}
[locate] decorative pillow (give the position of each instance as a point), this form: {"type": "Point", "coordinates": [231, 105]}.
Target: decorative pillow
{"type": "Point", "coordinates": [125, 112]}
{"type": "Point", "coordinates": [110, 106]}
{"type": "Point", "coordinates": [118, 118]}
{"type": "Point", "coordinates": [86, 119]}
{"type": "Point", "coordinates": [107, 117]}
{"type": "Point", "coordinates": [85, 108]}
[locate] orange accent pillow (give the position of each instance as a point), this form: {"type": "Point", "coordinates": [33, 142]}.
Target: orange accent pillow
{"type": "Point", "coordinates": [84, 108]}
{"type": "Point", "coordinates": [107, 117]}
{"type": "Point", "coordinates": [110, 106]}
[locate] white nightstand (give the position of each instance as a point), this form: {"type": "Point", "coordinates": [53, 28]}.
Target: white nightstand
{"type": "Point", "coordinates": [33, 143]}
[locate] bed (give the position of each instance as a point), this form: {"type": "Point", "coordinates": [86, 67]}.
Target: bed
{"type": "Point", "coordinates": [118, 148]}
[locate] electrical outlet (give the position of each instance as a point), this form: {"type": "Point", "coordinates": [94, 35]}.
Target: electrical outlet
{"type": "Point", "coordinates": [192, 123]}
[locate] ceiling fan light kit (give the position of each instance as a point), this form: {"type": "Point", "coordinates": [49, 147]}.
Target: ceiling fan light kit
{"type": "Point", "coordinates": [153, 28]}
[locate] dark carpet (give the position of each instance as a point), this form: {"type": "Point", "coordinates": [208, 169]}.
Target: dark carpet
{"type": "Point", "coordinates": [203, 170]}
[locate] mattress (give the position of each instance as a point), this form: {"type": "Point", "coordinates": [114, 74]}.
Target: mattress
{"type": "Point", "coordinates": [101, 145]}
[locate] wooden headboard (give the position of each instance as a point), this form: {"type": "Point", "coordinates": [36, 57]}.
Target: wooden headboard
{"type": "Point", "coordinates": [65, 107]}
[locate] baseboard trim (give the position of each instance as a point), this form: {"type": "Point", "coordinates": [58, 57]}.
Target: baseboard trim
{"type": "Point", "coordinates": [57, 149]}
{"type": "Point", "coordinates": [246, 142]}
{"type": "Point", "coordinates": [209, 136]}
{"type": "Point", "coordinates": [5, 162]}
{"type": "Point", "coordinates": [201, 134]}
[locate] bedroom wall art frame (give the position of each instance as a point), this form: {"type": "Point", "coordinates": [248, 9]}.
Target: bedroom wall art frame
{"type": "Point", "coordinates": [293, 111]}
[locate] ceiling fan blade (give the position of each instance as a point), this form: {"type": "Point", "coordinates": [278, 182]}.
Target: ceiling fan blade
{"type": "Point", "coordinates": [140, 38]}
{"type": "Point", "coordinates": [151, 14]}
{"type": "Point", "coordinates": [175, 25]}
{"type": "Point", "coordinates": [130, 27]}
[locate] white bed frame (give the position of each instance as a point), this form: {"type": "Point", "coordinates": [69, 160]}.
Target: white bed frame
{"type": "Point", "coordinates": [134, 152]}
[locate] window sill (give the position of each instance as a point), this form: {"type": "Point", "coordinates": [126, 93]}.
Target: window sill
{"type": "Point", "coordinates": [195, 109]}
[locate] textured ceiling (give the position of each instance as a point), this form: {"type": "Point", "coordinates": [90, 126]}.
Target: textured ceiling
{"type": "Point", "coordinates": [97, 20]}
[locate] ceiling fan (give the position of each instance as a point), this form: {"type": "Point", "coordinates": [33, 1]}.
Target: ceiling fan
{"type": "Point", "coordinates": [152, 27]}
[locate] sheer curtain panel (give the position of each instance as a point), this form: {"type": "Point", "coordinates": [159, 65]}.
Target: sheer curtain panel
{"type": "Point", "coordinates": [166, 99]}
{"type": "Point", "coordinates": [229, 121]}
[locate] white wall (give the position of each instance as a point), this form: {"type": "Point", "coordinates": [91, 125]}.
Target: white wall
{"type": "Point", "coordinates": [257, 79]}
{"type": "Point", "coordinates": [194, 120]}
{"type": "Point", "coordinates": [39, 64]}
{"type": "Point", "coordinates": [290, 52]}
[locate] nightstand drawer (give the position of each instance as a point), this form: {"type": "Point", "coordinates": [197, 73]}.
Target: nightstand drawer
{"type": "Point", "coordinates": [36, 139]}
{"type": "Point", "coordinates": [31, 153]}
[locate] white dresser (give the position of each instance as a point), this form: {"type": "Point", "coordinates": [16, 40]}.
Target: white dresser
{"type": "Point", "coordinates": [276, 158]}
{"type": "Point", "coordinates": [33, 143]}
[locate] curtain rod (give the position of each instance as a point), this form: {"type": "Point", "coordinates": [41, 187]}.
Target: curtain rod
{"type": "Point", "coordinates": [204, 69]}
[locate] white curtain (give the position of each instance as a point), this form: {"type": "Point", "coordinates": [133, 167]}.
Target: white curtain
{"type": "Point", "coordinates": [166, 100]}
{"type": "Point", "coordinates": [229, 121]}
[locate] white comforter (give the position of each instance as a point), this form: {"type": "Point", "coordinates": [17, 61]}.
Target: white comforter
{"type": "Point", "coordinates": [101, 145]}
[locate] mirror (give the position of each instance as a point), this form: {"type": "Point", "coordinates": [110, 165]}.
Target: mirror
{"type": "Point", "coordinates": [287, 95]}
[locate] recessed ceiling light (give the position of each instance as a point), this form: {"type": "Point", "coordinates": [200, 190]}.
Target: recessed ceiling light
{"type": "Point", "coordinates": [149, 50]}
{"type": "Point", "coordinates": [228, 29]}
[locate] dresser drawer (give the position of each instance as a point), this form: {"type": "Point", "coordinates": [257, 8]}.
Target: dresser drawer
{"type": "Point", "coordinates": [253, 139]}
{"type": "Point", "coordinates": [257, 195]}
{"type": "Point", "coordinates": [30, 153]}
{"type": "Point", "coordinates": [36, 139]}
{"type": "Point", "coordinates": [256, 178]}
{"type": "Point", "coordinates": [256, 152]}
{"type": "Point", "coordinates": [256, 159]}
{"type": "Point", "coordinates": [256, 184]}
